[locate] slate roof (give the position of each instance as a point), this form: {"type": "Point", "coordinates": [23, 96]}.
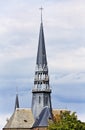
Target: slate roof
{"type": "Point", "coordinates": [41, 54]}
{"type": "Point", "coordinates": [21, 118]}
{"type": "Point", "coordinates": [43, 118]}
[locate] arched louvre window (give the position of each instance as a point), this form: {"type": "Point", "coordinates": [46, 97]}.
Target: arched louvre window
{"type": "Point", "coordinates": [46, 100]}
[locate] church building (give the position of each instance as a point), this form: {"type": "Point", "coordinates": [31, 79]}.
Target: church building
{"type": "Point", "coordinates": [40, 113]}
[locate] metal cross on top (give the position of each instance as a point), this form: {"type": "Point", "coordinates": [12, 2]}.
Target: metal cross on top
{"type": "Point", "coordinates": [41, 12]}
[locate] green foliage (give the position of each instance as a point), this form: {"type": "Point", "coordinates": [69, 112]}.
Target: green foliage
{"type": "Point", "coordinates": [66, 121]}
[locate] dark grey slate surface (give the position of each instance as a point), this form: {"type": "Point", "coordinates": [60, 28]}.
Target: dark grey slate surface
{"type": "Point", "coordinates": [41, 54]}
{"type": "Point", "coordinates": [43, 118]}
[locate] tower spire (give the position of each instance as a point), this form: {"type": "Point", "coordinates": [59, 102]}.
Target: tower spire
{"type": "Point", "coordinates": [41, 54]}
{"type": "Point", "coordinates": [41, 91]}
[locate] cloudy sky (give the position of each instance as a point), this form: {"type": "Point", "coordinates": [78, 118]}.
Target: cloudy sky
{"type": "Point", "coordinates": [64, 29]}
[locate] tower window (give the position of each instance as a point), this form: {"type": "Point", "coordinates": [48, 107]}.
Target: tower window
{"type": "Point", "coordinates": [39, 99]}
{"type": "Point", "coordinates": [46, 100]}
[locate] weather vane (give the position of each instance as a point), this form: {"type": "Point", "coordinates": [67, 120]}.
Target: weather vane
{"type": "Point", "coordinates": [41, 12]}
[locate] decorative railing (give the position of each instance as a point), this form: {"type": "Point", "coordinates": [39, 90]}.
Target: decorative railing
{"type": "Point", "coordinates": [41, 89]}
{"type": "Point", "coordinates": [45, 79]}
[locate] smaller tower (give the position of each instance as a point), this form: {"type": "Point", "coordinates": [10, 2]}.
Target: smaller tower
{"type": "Point", "coordinates": [41, 92]}
{"type": "Point", "coordinates": [16, 100]}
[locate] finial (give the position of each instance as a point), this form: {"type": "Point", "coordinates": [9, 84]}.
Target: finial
{"type": "Point", "coordinates": [41, 13]}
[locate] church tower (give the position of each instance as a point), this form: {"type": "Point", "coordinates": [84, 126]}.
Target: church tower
{"type": "Point", "coordinates": [41, 92]}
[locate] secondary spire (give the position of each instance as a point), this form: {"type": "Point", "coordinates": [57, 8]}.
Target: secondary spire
{"type": "Point", "coordinates": [17, 100]}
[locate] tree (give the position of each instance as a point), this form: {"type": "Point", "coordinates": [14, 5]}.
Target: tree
{"type": "Point", "coordinates": [66, 121]}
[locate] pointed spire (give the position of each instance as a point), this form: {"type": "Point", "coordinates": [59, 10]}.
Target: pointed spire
{"type": "Point", "coordinates": [41, 54]}
{"type": "Point", "coordinates": [17, 100]}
